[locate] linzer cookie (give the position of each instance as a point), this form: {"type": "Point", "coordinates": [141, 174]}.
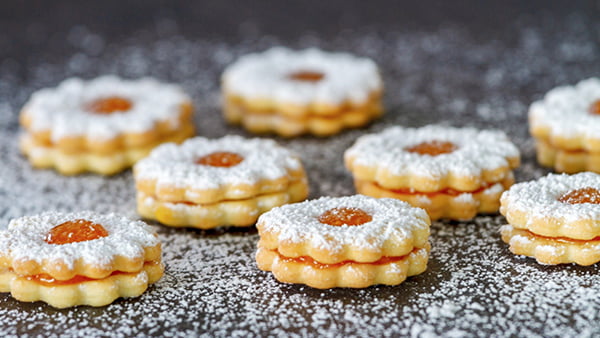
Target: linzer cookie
{"type": "Point", "coordinates": [452, 173]}
{"type": "Point", "coordinates": [301, 92]}
{"type": "Point", "coordinates": [354, 241]}
{"type": "Point", "coordinates": [103, 125]}
{"type": "Point", "coordinates": [206, 183]}
{"type": "Point", "coordinates": [566, 127]}
{"type": "Point", "coordinates": [79, 258]}
{"type": "Point", "coordinates": [555, 219]}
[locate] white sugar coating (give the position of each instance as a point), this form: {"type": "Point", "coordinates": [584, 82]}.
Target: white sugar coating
{"type": "Point", "coordinates": [266, 76]}
{"type": "Point", "coordinates": [62, 111]}
{"type": "Point", "coordinates": [23, 240]}
{"type": "Point", "coordinates": [299, 222]}
{"type": "Point", "coordinates": [477, 150]}
{"type": "Point", "coordinates": [566, 110]}
{"type": "Point", "coordinates": [473, 286]}
{"type": "Point", "coordinates": [174, 165]}
{"type": "Point", "coordinates": [539, 198]}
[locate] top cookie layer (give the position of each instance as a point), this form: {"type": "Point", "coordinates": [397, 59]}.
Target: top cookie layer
{"type": "Point", "coordinates": [535, 206]}
{"type": "Point", "coordinates": [265, 167]}
{"type": "Point", "coordinates": [23, 247]}
{"type": "Point", "coordinates": [62, 111]}
{"type": "Point", "coordinates": [295, 230]}
{"type": "Point", "coordinates": [478, 157]}
{"type": "Point", "coordinates": [564, 116]}
{"type": "Point", "coordinates": [268, 76]}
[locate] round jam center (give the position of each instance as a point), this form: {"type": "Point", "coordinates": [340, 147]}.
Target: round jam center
{"type": "Point", "coordinates": [345, 216]}
{"type": "Point", "coordinates": [432, 148]}
{"type": "Point", "coordinates": [306, 76]}
{"type": "Point", "coordinates": [595, 107]}
{"type": "Point", "coordinates": [220, 159]}
{"type": "Point", "coordinates": [109, 105]}
{"type": "Point", "coordinates": [583, 195]}
{"type": "Point", "coordinates": [79, 230]}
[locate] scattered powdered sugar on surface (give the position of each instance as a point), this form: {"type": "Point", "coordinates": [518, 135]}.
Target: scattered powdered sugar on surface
{"type": "Point", "coordinates": [566, 109]}
{"type": "Point", "coordinates": [61, 110]}
{"type": "Point", "coordinates": [265, 76]}
{"type": "Point", "coordinates": [175, 165]}
{"type": "Point", "coordinates": [24, 239]}
{"type": "Point", "coordinates": [476, 151]}
{"type": "Point", "coordinates": [473, 285]}
{"type": "Point", "coordinates": [540, 198]}
{"type": "Point", "coordinates": [392, 220]}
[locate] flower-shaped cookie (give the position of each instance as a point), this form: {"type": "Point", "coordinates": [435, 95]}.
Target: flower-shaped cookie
{"type": "Point", "coordinates": [354, 241]}
{"type": "Point", "coordinates": [80, 258]}
{"type": "Point", "coordinates": [102, 125]}
{"type": "Point", "coordinates": [566, 126]}
{"type": "Point", "coordinates": [555, 219]}
{"type": "Point", "coordinates": [450, 172]}
{"type": "Point", "coordinates": [296, 92]}
{"type": "Point", "coordinates": [207, 183]}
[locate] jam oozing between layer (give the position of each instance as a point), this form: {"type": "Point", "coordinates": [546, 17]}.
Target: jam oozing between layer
{"type": "Point", "coordinates": [595, 107]}
{"type": "Point", "coordinates": [580, 196]}
{"type": "Point", "coordinates": [79, 230]}
{"type": "Point", "coordinates": [306, 76]}
{"type": "Point", "coordinates": [222, 159]}
{"type": "Point", "coordinates": [319, 265]}
{"type": "Point", "coordinates": [432, 148]}
{"type": "Point", "coordinates": [345, 216]}
{"type": "Point", "coordinates": [109, 105]}
{"type": "Point", "coordinates": [48, 280]}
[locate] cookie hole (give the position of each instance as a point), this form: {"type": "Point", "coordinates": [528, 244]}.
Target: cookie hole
{"type": "Point", "coordinates": [109, 105]}
{"type": "Point", "coordinates": [223, 159]}
{"type": "Point", "coordinates": [432, 148]}
{"type": "Point", "coordinates": [595, 107]}
{"type": "Point", "coordinates": [580, 196]}
{"type": "Point", "coordinates": [345, 216]}
{"type": "Point", "coordinates": [306, 76]}
{"type": "Point", "coordinates": [79, 230]}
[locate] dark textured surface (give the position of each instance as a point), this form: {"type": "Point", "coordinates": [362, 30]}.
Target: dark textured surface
{"type": "Point", "coordinates": [474, 63]}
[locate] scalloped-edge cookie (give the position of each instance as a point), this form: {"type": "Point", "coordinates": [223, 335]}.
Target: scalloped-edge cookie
{"type": "Point", "coordinates": [83, 254]}
{"type": "Point", "coordinates": [330, 233]}
{"type": "Point", "coordinates": [566, 124]}
{"type": "Point", "coordinates": [450, 172]}
{"type": "Point", "coordinates": [206, 183]}
{"type": "Point", "coordinates": [104, 118]}
{"type": "Point", "coordinates": [555, 219]}
{"type": "Point", "coordinates": [291, 92]}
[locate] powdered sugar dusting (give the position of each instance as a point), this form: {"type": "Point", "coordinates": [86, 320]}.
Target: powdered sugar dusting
{"type": "Point", "coordinates": [175, 165]}
{"type": "Point", "coordinates": [299, 222]}
{"type": "Point", "coordinates": [265, 76]}
{"type": "Point", "coordinates": [566, 110]}
{"type": "Point", "coordinates": [540, 198]}
{"type": "Point", "coordinates": [24, 239]}
{"type": "Point", "coordinates": [61, 110]}
{"type": "Point", "coordinates": [476, 151]}
{"type": "Point", "coordinates": [473, 286]}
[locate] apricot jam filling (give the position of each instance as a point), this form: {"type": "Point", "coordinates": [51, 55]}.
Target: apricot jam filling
{"type": "Point", "coordinates": [595, 107]}
{"type": "Point", "coordinates": [306, 76]}
{"type": "Point", "coordinates": [223, 159]}
{"type": "Point", "coordinates": [580, 196]}
{"type": "Point", "coordinates": [345, 216]}
{"type": "Point", "coordinates": [109, 105]}
{"type": "Point", "coordinates": [446, 191]}
{"type": "Point", "coordinates": [318, 265]}
{"type": "Point", "coordinates": [79, 230]}
{"type": "Point", "coordinates": [563, 239]}
{"type": "Point", "coordinates": [432, 148]}
{"type": "Point", "coordinates": [48, 280]}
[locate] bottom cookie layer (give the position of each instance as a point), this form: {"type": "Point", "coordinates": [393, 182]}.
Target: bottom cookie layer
{"type": "Point", "coordinates": [450, 205]}
{"type": "Point", "coordinates": [237, 213]}
{"type": "Point", "coordinates": [93, 292]}
{"type": "Point", "coordinates": [551, 250]}
{"type": "Point", "coordinates": [392, 271]}
{"type": "Point", "coordinates": [106, 164]}
{"type": "Point", "coordinates": [566, 161]}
